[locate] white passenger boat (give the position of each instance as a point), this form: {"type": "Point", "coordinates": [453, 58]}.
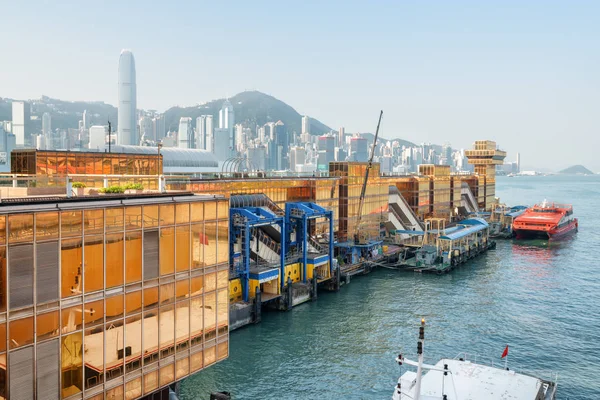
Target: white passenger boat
{"type": "Point", "coordinates": [463, 379]}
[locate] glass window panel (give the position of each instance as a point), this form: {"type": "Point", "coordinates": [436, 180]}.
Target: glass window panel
{"type": "Point", "coordinates": [21, 332]}
{"type": "Point", "coordinates": [197, 211]}
{"type": "Point", "coordinates": [3, 265]}
{"type": "Point", "coordinates": [167, 331]}
{"type": "Point", "coordinates": [20, 228]}
{"type": "Point", "coordinates": [71, 258]}
{"type": "Point", "coordinates": [182, 289]}
{"type": "Point", "coordinates": [93, 221]}
{"type": "Point", "coordinates": [197, 285]}
{"type": "Point", "coordinates": [150, 382]}
{"type": "Point", "coordinates": [2, 229]}
{"type": "Point", "coordinates": [167, 251]}
{"type": "Point", "coordinates": [210, 356]}
{"type": "Point", "coordinates": [182, 213]}
{"type": "Point", "coordinates": [115, 352]}
{"type": "Point", "coordinates": [133, 256]}
{"type": "Point", "coordinates": [150, 216]}
{"type": "Point", "coordinates": [93, 313]}
{"type": "Point", "coordinates": [223, 311]}
{"type": "Point", "coordinates": [114, 307]}
{"type": "Point", "coordinates": [182, 368]}
{"type": "Point", "coordinates": [150, 340]}
{"type": "Point", "coordinates": [167, 374]}
{"type": "Point", "coordinates": [223, 210]}
{"type": "Point", "coordinates": [223, 242]}
{"type": "Point", "coordinates": [71, 318]}
{"type": "Point", "coordinates": [210, 243]}
{"type": "Point", "coordinates": [133, 337]}
{"type": "Point", "coordinates": [210, 210]}
{"type": "Point", "coordinates": [150, 297]}
{"type": "Point", "coordinates": [114, 259]}
{"type": "Point", "coordinates": [210, 281]}
{"type": "Point", "coordinates": [167, 214]}
{"type": "Point", "coordinates": [196, 361]}
{"type": "Point", "coordinates": [222, 279]}
{"type": "Point", "coordinates": [183, 248]}
{"type": "Point", "coordinates": [151, 254]}
{"type": "Point", "coordinates": [133, 218]}
{"type": "Point", "coordinates": [3, 337]}
{"type": "Point", "coordinates": [72, 364]}
{"type": "Point", "coordinates": [167, 293]}
{"type": "Point", "coordinates": [115, 393]}
{"type": "Point", "coordinates": [210, 316]}
{"type": "Point", "coordinates": [70, 223]}
{"type": "Point", "coordinates": [133, 302]}
{"type": "Point", "coordinates": [20, 275]}
{"type": "Point", "coordinates": [94, 263]}
{"type": "Point", "coordinates": [114, 219]}
{"type": "Point", "coordinates": [222, 350]}
{"type": "Point", "coordinates": [94, 357]}
{"type": "Point", "coordinates": [46, 226]}
{"type": "Point", "coordinates": [182, 325]}
{"type": "Point", "coordinates": [47, 325]}
{"type": "Point", "coordinates": [198, 243]}
{"type": "Point", "coordinates": [133, 389]}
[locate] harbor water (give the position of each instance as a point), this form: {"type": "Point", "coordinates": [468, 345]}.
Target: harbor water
{"type": "Point", "coordinates": [540, 298]}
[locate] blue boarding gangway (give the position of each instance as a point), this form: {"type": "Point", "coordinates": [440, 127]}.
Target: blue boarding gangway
{"type": "Point", "coordinates": [297, 218]}
{"type": "Point", "coordinates": [242, 222]}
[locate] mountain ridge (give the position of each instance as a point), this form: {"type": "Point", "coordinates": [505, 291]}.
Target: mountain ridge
{"type": "Point", "coordinates": [576, 170]}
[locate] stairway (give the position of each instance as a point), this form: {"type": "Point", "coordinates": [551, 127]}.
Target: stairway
{"type": "Point", "coordinates": [403, 212]}
{"type": "Point", "coordinates": [467, 199]}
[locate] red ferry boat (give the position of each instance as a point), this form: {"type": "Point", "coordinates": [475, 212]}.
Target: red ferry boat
{"type": "Point", "coordinates": [547, 221]}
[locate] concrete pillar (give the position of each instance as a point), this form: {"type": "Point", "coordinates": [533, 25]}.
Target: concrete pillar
{"type": "Point", "coordinates": [257, 306]}
{"type": "Point", "coordinates": [290, 294]}
{"type": "Point", "coordinates": [69, 187]}
{"type": "Point", "coordinates": [314, 286]}
{"type": "Point", "coordinates": [105, 182]}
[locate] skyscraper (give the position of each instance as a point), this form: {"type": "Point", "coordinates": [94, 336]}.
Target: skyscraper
{"type": "Point", "coordinates": [226, 121]}
{"type": "Point", "coordinates": [185, 136]}
{"type": "Point", "coordinates": [21, 121]}
{"type": "Point", "coordinates": [210, 134]}
{"type": "Point", "coordinates": [86, 120]}
{"type": "Point", "coordinates": [158, 127]}
{"type": "Point", "coordinates": [127, 121]}
{"type": "Point", "coordinates": [305, 124]}
{"type": "Point", "coordinates": [146, 128]}
{"type": "Point", "coordinates": [341, 137]}
{"type": "Point", "coordinates": [46, 124]}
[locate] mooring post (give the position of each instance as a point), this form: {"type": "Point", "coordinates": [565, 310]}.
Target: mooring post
{"type": "Point", "coordinates": [290, 296]}
{"type": "Point", "coordinates": [257, 305]}
{"type": "Point", "coordinates": [314, 287]}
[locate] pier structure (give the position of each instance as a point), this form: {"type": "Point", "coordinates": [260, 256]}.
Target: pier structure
{"type": "Point", "coordinates": [485, 155]}
{"type": "Point", "coordinates": [165, 271]}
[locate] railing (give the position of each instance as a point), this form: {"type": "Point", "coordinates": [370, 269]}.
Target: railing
{"type": "Point", "coordinates": [255, 200]}
{"type": "Point", "coordinates": [316, 245]}
{"type": "Point", "coordinates": [267, 241]}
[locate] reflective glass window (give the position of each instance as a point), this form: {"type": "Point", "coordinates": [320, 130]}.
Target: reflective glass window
{"type": "Point", "coordinates": [210, 281]}
{"type": "Point", "coordinates": [167, 374]}
{"type": "Point", "coordinates": [93, 263]}
{"type": "Point", "coordinates": [150, 216]}
{"type": "Point", "coordinates": [167, 293]}
{"type": "Point", "coordinates": [150, 381]}
{"type": "Point", "coordinates": [72, 364]}
{"type": "Point", "coordinates": [197, 211]}
{"type": "Point", "coordinates": [196, 361]}
{"type": "Point", "coordinates": [20, 275]}
{"type": "Point", "coordinates": [133, 389]}
{"type": "Point", "coordinates": [182, 255]}
{"type": "Point", "coordinates": [150, 332]}
{"type": "Point", "coordinates": [3, 278]}
{"type": "Point", "coordinates": [70, 223]}
{"type": "Point", "coordinates": [182, 368]}
{"type": "Point", "coordinates": [133, 256]}
{"type": "Point", "coordinates": [71, 318]}
{"type": "Point", "coordinates": [223, 311]}
{"type": "Point", "coordinates": [3, 337]}
{"type": "Point", "coordinates": [210, 210]}
{"type": "Point", "coordinates": [94, 357]}
{"type": "Point", "coordinates": [182, 324]}
{"type": "Point", "coordinates": [114, 219]}
{"type": "Point", "coordinates": [133, 337]}
{"type": "Point", "coordinates": [210, 356]}
{"type": "Point", "coordinates": [150, 297]}
{"type": "Point", "coordinates": [93, 313]}
{"type": "Point", "coordinates": [167, 251]}
{"type": "Point", "coordinates": [223, 210]}
{"type": "Point", "coordinates": [114, 307]}
{"type": "Point", "coordinates": [182, 213]}
{"type": "Point", "coordinates": [47, 325]}
{"type": "Point", "coordinates": [223, 242]}
{"type": "Point", "coordinates": [210, 243]}
{"type": "Point", "coordinates": [197, 285]}
{"type": "Point", "coordinates": [114, 334]}
{"type": "Point", "coordinates": [133, 218]}
{"type": "Point", "coordinates": [222, 350]}
{"type": "Point", "coordinates": [21, 332]}
{"type": "Point", "coordinates": [133, 302]}
{"type": "Point", "coordinates": [114, 259]}
{"type": "Point", "coordinates": [198, 243]}
{"type": "Point", "coordinates": [167, 214]}
{"type": "Point", "coordinates": [20, 228]}
{"type": "Point", "coordinates": [2, 229]}
{"type": "Point", "coordinates": [222, 279]}
{"type": "Point", "coordinates": [182, 289]}
{"type": "Point", "coordinates": [93, 221]}
{"type": "Point", "coordinates": [46, 226]}
{"type": "Point", "coordinates": [167, 330]}
{"type": "Point", "coordinates": [210, 315]}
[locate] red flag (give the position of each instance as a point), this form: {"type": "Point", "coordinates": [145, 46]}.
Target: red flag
{"type": "Point", "coordinates": [505, 352]}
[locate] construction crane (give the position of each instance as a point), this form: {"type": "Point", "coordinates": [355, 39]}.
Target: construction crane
{"type": "Point", "coordinates": [364, 187]}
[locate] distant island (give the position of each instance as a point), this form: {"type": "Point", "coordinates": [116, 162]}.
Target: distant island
{"type": "Point", "coordinates": [576, 170]}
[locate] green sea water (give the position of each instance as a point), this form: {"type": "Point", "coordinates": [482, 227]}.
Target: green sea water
{"type": "Point", "coordinates": [543, 299]}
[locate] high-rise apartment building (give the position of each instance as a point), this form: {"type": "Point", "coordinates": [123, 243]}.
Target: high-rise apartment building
{"type": "Point", "coordinates": [146, 128]}
{"type": "Point", "coordinates": [158, 127]}
{"type": "Point", "coordinates": [341, 137]}
{"type": "Point", "coordinates": [127, 118]}
{"type": "Point", "coordinates": [227, 121]}
{"type": "Point", "coordinates": [47, 130]}
{"type": "Point", "coordinates": [97, 137]}
{"type": "Point", "coordinates": [305, 124]}
{"type": "Point", "coordinates": [221, 144]}
{"type": "Point", "coordinates": [21, 122]}
{"type": "Point", "coordinates": [185, 135]}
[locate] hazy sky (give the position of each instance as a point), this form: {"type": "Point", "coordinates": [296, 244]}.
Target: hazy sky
{"type": "Point", "coordinates": [524, 73]}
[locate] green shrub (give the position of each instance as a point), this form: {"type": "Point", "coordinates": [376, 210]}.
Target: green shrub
{"type": "Point", "coordinates": [134, 186]}
{"type": "Point", "coordinates": [113, 189]}
{"type": "Point", "coordinates": [78, 185]}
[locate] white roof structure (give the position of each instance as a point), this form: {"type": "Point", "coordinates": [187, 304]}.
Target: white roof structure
{"type": "Point", "coordinates": [470, 381]}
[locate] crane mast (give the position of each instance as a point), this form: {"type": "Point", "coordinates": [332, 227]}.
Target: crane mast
{"type": "Point", "coordinates": [364, 187]}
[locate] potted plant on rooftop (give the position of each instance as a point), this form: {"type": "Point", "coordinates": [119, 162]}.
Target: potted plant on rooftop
{"type": "Point", "coordinates": [134, 188]}
{"type": "Point", "coordinates": [78, 188]}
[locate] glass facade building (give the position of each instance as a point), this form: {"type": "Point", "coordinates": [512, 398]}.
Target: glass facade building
{"type": "Point", "coordinates": [113, 298]}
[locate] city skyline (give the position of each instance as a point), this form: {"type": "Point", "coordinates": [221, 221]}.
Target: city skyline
{"type": "Point", "coordinates": [458, 77]}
